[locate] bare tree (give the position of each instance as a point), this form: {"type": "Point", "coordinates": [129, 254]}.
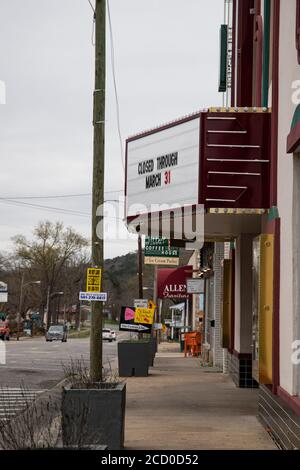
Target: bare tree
{"type": "Point", "coordinates": [53, 249]}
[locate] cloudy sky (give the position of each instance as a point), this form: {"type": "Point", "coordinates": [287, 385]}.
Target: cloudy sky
{"type": "Point", "coordinates": [166, 61]}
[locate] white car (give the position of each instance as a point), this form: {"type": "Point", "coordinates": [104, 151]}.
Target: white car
{"type": "Point", "coordinates": [107, 335]}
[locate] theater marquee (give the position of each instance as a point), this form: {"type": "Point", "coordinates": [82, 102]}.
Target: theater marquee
{"type": "Point", "coordinates": [163, 167]}
{"type": "Point", "coordinates": [218, 159]}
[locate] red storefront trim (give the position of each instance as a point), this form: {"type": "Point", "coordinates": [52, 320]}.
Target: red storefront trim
{"type": "Point", "coordinates": [259, 59]}
{"type": "Point", "coordinates": [292, 402]}
{"type": "Point", "coordinates": [275, 103]}
{"type": "Point", "coordinates": [233, 80]}
{"type": "Point", "coordinates": [231, 349]}
{"type": "Point", "coordinates": [245, 53]}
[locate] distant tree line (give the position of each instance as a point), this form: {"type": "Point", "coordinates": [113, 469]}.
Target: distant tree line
{"type": "Point", "coordinates": [57, 257]}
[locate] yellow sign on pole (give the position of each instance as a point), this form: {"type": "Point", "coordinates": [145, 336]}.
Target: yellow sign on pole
{"type": "Point", "coordinates": [93, 280]}
{"type": "Point", "coordinates": [144, 316]}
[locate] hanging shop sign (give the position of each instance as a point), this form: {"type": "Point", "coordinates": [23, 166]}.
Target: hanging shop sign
{"type": "Point", "coordinates": [171, 283]}
{"type": "Point", "coordinates": [136, 320]}
{"type": "Point", "coordinates": [93, 280]}
{"type": "Point", "coordinates": [195, 286]}
{"type": "Point", "coordinates": [158, 251]}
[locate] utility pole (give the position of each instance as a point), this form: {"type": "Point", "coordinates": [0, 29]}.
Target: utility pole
{"type": "Point", "coordinates": [98, 182]}
{"type": "Point", "coordinates": [156, 334]}
{"type": "Point", "coordinates": [140, 267]}
{"type": "Point", "coordinates": [140, 272]}
{"type": "Point", "coordinates": [48, 319]}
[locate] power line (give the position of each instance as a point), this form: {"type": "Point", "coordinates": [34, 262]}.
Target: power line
{"type": "Point", "coordinates": [65, 196]}
{"type": "Point", "coordinates": [112, 51]}
{"type": "Point", "coordinates": [92, 7]}
{"type": "Point", "coordinates": [57, 210]}
{"type": "Point", "coordinates": [44, 208]}
{"type": "Point", "coordinates": [62, 196]}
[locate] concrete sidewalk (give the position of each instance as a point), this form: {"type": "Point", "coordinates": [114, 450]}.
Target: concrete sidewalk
{"type": "Point", "coordinates": [182, 406]}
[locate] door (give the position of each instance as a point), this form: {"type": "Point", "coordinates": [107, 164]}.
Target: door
{"type": "Point", "coordinates": [263, 279]}
{"type": "Point", "coordinates": [227, 304]}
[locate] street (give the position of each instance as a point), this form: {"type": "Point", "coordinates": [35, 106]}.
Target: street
{"type": "Point", "coordinates": [38, 364]}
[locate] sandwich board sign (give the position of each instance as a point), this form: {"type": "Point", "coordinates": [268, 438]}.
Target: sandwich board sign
{"type": "Point", "coordinates": [144, 316]}
{"type": "Point", "coordinates": [138, 320]}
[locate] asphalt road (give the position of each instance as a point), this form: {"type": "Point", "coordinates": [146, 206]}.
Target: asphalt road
{"type": "Point", "coordinates": [38, 364]}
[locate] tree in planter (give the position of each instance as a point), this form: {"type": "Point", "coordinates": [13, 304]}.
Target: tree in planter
{"type": "Point", "coordinates": [101, 404]}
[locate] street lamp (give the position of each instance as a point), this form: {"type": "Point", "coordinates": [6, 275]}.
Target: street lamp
{"type": "Point", "coordinates": [21, 301]}
{"type": "Point", "coordinates": [50, 296]}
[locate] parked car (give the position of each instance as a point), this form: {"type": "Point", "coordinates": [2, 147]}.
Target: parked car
{"type": "Point", "coordinates": [4, 331]}
{"type": "Point", "coordinates": [57, 333]}
{"type": "Point", "coordinates": [107, 335]}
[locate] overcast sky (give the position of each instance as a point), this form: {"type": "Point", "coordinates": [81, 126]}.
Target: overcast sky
{"type": "Point", "coordinates": [166, 59]}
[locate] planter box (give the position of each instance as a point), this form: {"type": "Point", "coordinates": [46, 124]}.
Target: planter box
{"type": "Point", "coordinates": [134, 358]}
{"type": "Point", "coordinates": [94, 416]}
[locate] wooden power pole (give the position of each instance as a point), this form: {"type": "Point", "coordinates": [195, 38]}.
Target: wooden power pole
{"type": "Point", "coordinates": [98, 183]}
{"type": "Point", "coordinates": [140, 267]}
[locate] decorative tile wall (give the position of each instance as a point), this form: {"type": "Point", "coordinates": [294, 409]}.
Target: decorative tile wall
{"type": "Point", "coordinates": [279, 419]}
{"type": "Point", "coordinates": [240, 370]}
